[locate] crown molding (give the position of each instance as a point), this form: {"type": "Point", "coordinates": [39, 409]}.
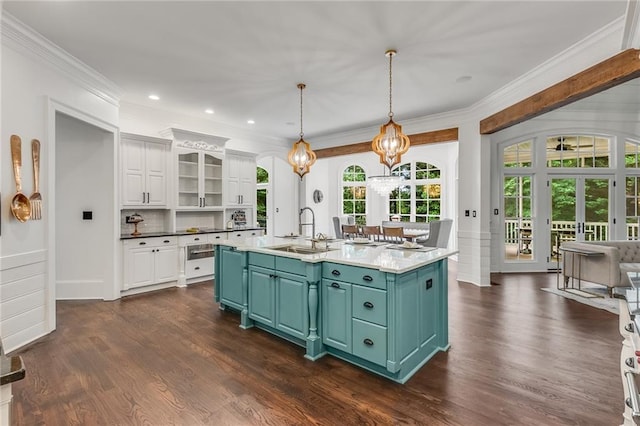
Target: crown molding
{"type": "Point", "coordinates": [579, 56]}
{"type": "Point", "coordinates": [22, 38]}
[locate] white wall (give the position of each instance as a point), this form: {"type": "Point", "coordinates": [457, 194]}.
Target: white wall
{"type": "Point", "coordinates": [282, 194]}
{"type": "Point", "coordinates": [84, 182]}
{"type": "Point", "coordinates": [31, 75]}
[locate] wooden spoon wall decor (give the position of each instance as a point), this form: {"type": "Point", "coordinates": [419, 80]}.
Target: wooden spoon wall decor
{"type": "Point", "coordinates": [20, 204]}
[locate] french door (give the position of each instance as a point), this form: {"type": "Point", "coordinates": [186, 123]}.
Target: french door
{"type": "Point", "coordinates": [580, 209]}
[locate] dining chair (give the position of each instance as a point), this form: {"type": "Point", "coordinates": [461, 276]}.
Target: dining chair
{"type": "Point", "coordinates": [393, 234]}
{"type": "Point", "coordinates": [350, 231]}
{"type": "Point", "coordinates": [372, 232]}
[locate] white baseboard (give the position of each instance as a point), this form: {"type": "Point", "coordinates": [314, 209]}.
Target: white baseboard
{"type": "Point", "coordinates": [79, 289]}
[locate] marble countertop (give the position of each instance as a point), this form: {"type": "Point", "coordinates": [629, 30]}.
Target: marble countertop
{"type": "Point", "coordinates": [11, 368]}
{"type": "Point", "coordinates": [381, 256]}
{"type": "Point", "coordinates": [178, 233]}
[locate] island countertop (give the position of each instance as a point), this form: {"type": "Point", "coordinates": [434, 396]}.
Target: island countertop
{"type": "Point", "coordinates": [385, 257]}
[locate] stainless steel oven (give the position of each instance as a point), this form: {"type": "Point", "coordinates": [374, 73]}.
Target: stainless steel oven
{"type": "Point", "coordinates": [199, 251]}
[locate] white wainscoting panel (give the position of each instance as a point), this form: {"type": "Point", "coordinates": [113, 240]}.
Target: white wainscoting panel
{"type": "Point", "coordinates": [79, 289]}
{"type": "Point", "coordinates": [23, 299]}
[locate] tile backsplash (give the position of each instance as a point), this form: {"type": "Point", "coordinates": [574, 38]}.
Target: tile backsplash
{"type": "Point", "coordinates": [154, 221]}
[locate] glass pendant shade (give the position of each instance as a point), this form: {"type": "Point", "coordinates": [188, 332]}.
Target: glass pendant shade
{"type": "Point", "coordinates": [390, 144]}
{"type": "Point", "coordinates": [301, 157]}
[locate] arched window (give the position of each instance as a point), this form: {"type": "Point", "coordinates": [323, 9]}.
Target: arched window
{"type": "Point", "coordinates": [262, 182]}
{"type": "Point", "coordinates": [419, 197]}
{"type": "Point", "coordinates": [354, 193]}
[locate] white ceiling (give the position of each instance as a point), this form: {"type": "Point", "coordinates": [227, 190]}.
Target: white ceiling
{"type": "Point", "coordinates": [244, 59]}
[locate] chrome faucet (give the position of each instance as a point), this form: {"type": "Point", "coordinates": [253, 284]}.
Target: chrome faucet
{"type": "Point", "coordinates": [313, 222]}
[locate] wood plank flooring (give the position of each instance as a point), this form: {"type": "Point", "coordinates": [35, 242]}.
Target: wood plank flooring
{"type": "Point", "coordinates": [519, 356]}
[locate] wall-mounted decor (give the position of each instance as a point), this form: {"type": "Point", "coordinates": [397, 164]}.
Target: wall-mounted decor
{"type": "Point", "coordinates": [20, 204]}
{"type": "Point", "coordinates": [317, 196]}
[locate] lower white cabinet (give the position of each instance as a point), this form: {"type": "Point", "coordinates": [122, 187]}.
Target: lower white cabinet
{"type": "Point", "coordinates": [150, 261]}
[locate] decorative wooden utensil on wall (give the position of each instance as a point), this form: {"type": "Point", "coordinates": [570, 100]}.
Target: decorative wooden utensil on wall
{"type": "Point", "coordinates": [20, 204]}
{"type": "Point", "coordinates": [36, 198]}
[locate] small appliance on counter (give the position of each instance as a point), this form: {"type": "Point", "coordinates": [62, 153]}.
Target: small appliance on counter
{"type": "Point", "coordinates": [239, 219]}
{"type": "Point", "coordinates": [135, 219]}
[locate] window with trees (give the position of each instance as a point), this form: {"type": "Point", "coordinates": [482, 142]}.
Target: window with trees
{"type": "Point", "coordinates": [262, 180]}
{"type": "Point", "coordinates": [578, 151]}
{"type": "Point", "coordinates": [632, 188]}
{"type": "Point", "coordinates": [418, 199]}
{"type": "Point", "coordinates": [354, 193]}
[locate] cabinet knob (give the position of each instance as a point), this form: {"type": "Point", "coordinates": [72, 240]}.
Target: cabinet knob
{"type": "Point", "coordinates": [367, 278]}
{"type": "Point", "coordinates": [629, 362]}
{"type": "Point", "coordinates": [368, 342]}
{"type": "Point", "coordinates": [368, 305]}
{"type": "Point", "coordinates": [629, 327]}
{"type": "Point", "coordinates": [335, 285]}
{"type": "Point", "coordinates": [335, 272]}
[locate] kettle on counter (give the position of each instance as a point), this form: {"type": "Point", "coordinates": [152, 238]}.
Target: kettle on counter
{"type": "Point", "coordinates": [230, 224]}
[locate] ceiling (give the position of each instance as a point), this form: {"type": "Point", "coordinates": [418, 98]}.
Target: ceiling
{"type": "Point", "coordinates": [243, 59]}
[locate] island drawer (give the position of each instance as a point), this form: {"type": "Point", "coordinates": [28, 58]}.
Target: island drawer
{"type": "Point", "coordinates": [369, 304]}
{"type": "Point", "coordinates": [369, 342]}
{"type": "Point", "coordinates": [355, 275]}
{"type": "Point", "coordinates": [287, 264]}
{"type": "Point", "coordinates": [264, 260]}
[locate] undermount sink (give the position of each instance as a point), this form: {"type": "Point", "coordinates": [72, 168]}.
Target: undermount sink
{"type": "Point", "coordinates": [293, 248]}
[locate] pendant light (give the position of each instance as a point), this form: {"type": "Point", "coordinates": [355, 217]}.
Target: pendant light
{"type": "Point", "coordinates": [389, 144]}
{"type": "Point", "coordinates": [301, 157]}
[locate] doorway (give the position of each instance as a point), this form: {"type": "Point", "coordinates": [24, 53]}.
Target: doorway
{"type": "Point", "coordinates": [580, 209]}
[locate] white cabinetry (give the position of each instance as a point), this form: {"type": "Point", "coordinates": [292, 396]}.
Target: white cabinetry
{"type": "Point", "coordinates": [150, 261]}
{"type": "Point", "coordinates": [240, 178]}
{"type": "Point", "coordinates": [199, 179]}
{"type": "Point", "coordinates": [144, 163]}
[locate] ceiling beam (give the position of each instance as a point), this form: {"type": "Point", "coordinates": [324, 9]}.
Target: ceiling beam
{"type": "Point", "coordinates": [622, 67]}
{"type": "Point", "coordinates": [437, 136]}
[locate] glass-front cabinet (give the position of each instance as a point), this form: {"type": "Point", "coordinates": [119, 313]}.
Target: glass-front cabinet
{"type": "Point", "coordinates": [199, 180]}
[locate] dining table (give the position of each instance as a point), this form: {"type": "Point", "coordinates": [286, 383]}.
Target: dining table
{"type": "Point", "coordinates": [413, 234]}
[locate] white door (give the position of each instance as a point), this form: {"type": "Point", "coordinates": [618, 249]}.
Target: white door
{"type": "Point", "coordinates": [579, 210]}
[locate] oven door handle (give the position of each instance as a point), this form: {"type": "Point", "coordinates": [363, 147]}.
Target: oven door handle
{"type": "Point", "coordinates": [201, 251]}
{"type": "Point", "coordinates": [632, 401]}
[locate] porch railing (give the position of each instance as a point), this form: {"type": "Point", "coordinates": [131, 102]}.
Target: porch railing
{"type": "Point", "coordinates": [594, 231]}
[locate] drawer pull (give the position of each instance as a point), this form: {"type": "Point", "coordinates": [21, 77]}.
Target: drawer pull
{"type": "Point", "coordinates": [367, 278]}
{"type": "Point", "coordinates": [368, 305]}
{"type": "Point", "coordinates": [238, 235]}
{"type": "Point", "coordinates": [218, 237]}
{"type": "Point", "coordinates": [142, 243]}
{"type": "Point", "coordinates": [368, 342]}
{"type": "Point", "coordinates": [196, 268]}
{"type": "Point", "coordinates": [166, 241]}
{"type": "Point", "coordinates": [335, 285]}
{"type": "Point", "coordinates": [335, 272]}
{"type": "Point", "coordinates": [629, 327]}
{"type": "Point", "coordinates": [629, 362]}
{"type": "Point", "coordinates": [196, 239]}
{"type": "Point", "coordinates": [429, 283]}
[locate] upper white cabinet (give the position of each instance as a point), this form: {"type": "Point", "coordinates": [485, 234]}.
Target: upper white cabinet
{"type": "Point", "coordinates": [240, 178]}
{"type": "Point", "coordinates": [199, 179]}
{"type": "Point", "coordinates": [144, 170]}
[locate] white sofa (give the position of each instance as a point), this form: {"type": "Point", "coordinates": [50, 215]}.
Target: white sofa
{"type": "Point", "coordinates": [610, 269]}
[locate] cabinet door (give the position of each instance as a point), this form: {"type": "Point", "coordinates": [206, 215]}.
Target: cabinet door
{"type": "Point", "coordinates": [336, 314]}
{"type": "Point", "coordinates": [262, 295]}
{"type": "Point", "coordinates": [133, 173]}
{"type": "Point", "coordinates": [156, 173]}
{"type": "Point", "coordinates": [231, 277]}
{"type": "Point", "coordinates": [188, 179]}
{"type": "Point", "coordinates": [166, 264]}
{"type": "Point", "coordinates": [247, 182]}
{"type": "Point", "coordinates": [292, 305]}
{"type": "Point", "coordinates": [428, 320]}
{"type": "Point", "coordinates": [232, 180]}
{"type": "Point", "coordinates": [139, 267]}
{"type": "Point", "coordinates": [211, 187]}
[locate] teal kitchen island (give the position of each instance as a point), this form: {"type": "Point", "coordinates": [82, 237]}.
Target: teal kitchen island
{"type": "Point", "coordinates": [379, 307]}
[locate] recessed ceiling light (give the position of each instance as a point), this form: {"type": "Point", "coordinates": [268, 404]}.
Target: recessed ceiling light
{"type": "Point", "coordinates": [289, 123]}
{"type": "Point", "coordinates": [154, 97]}
{"type": "Point", "coordinates": [208, 111]}
{"type": "Point", "coordinates": [251, 122]}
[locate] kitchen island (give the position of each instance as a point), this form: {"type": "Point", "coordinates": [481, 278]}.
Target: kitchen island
{"type": "Point", "coordinates": [380, 307]}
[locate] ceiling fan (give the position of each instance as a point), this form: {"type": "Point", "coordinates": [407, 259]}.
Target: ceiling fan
{"type": "Point", "coordinates": [564, 146]}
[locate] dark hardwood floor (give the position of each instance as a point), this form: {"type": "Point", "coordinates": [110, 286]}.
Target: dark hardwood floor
{"type": "Point", "coordinates": [519, 356]}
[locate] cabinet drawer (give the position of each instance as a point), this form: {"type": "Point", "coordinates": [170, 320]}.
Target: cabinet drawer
{"type": "Point", "coordinates": [185, 240]}
{"type": "Point", "coordinates": [355, 275]}
{"type": "Point", "coordinates": [295, 266]}
{"type": "Point", "coordinates": [369, 304]}
{"type": "Point", "coordinates": [199, 267]}
{"type": "Point", "coordinates": [216, 237]}
{"type": "Point", "coordinates": [264, 260]}
{"type": "Point", "coordinates": [150, 242]}
{"type": "Point", "coordinates": [370, 342]}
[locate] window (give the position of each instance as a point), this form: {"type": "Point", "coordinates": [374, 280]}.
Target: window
{"type": "Point", "coordinates": [517, 217]}
{"type": "Point", "coordinates": [354, 193]}
{"type": "Point", "coordinates": [419, 198]}
{"type": "Point", "coordinates": [518, 154]}
{"type": "Point", "coordinates": [577, 151]}
{"type": "Point", "coordinates": [632, 188]}
{"type": "Point", "coordinates": [262, 179]}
